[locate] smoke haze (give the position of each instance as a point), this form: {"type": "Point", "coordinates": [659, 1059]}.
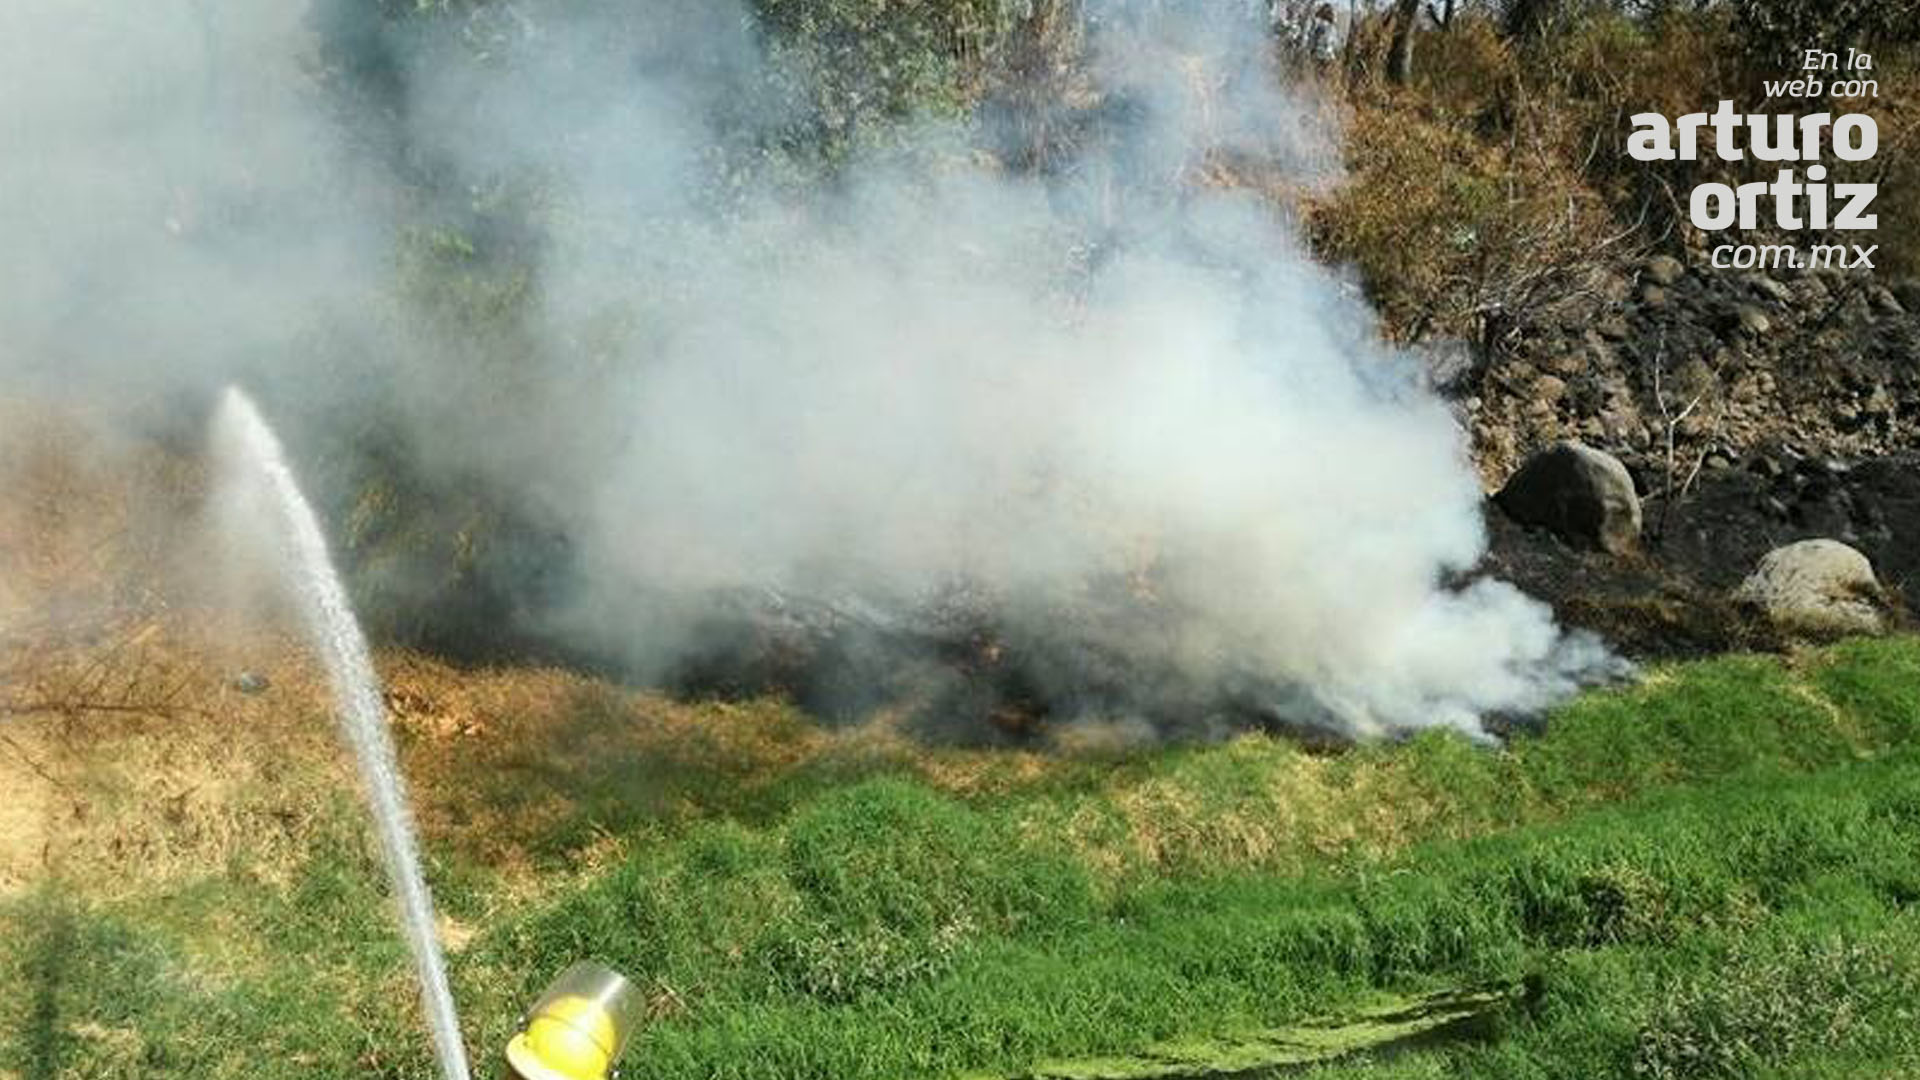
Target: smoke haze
{"type": "Point", "coordinates": [1109, 377]}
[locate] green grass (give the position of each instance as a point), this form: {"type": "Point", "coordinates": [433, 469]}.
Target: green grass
{"type": "Point", "coordinates": [1708, 875]}
{"type": "Point", "coordinates": [1671, 883]}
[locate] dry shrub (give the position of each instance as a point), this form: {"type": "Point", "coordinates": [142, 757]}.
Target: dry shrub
{"type": "Point", "coordinates": [140, 764]}
{"type": "Point", "coordinates": [524, 767]}
{"type": "Point", "coordinates": [1608, 69]}
{"type": "Point", "coordinates": [1499, 178]}
{"type": "Point", "coordinates": [1465, 200]}
{"type": "Point", "coordinates": [1470, 63]}
{"type": "Point", "coordinates": [1896, 168]}
{"type": "Point", "coordinates": [1034, 87]}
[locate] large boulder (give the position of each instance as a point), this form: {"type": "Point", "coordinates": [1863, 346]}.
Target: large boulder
{"type": "Point", "coordinates": [1584, 495]}
{"type": "Point", "coordinates": [1821, 586]}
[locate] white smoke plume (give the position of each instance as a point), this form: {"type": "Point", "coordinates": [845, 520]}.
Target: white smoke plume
{"type": "Point", "coordinates": [1111, 375]}
{"type": "Point", "coordinates": [171, 196]}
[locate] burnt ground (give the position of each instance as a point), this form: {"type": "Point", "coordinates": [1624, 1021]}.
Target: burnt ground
{"type": "Point", "coordinates": [967, 670]}
{"type": "Point", "coordinates": [1792, 398]}
{"type": "Point", "coordinates": [1728, 364]}
{"type": "Point", "coordinates": [1673, 598]}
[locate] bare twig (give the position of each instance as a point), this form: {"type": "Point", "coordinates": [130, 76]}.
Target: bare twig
{"type": "Point", "coordinates": [37, 769]}
{"type": "Point", "coordinates": [1670, 424]}
{"type": "Point", "coordinates": [161, 710]}
{"type": "Point", "coordinates": [1672, 420]}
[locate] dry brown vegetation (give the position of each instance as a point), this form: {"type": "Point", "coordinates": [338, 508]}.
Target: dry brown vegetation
{"type": "Point", "coordinates": [1496, 180]}
{"type": "Point", "coordinates": [128, 735]}
{"type": "Point", "coordinates": [128, 741]}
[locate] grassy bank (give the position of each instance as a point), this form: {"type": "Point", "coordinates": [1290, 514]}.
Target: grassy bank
{"type": "Point", "coordinates": [1710, 874]}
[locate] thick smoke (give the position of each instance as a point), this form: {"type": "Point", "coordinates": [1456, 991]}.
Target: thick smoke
{"type": "Point", "coordinates": [171, 198]}
{"type": "Point", "coordinates": [1111, 400]}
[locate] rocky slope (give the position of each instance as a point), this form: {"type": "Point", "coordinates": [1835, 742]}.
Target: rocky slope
{"type": "Point", "coordinates": [1729, 363]}
{"type": "Point", "coordinates": [1751, 409]}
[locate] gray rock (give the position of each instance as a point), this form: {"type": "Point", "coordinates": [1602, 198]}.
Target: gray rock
{"type": "Point", "coordinates": [1819, 586]}
{"type": "Point", "coordinates": [1770, 288]}
{"type": "Point", "coordinates": [1584, 495]}
{"type": "Point", "coordinates": [1752, 321]}
{"type": "Point", "coordinates": [1620, 425]}
{"type": "Point", "coordinates": [1611, 287]}
{"type": "Point", "coordinates": [1663, 270]}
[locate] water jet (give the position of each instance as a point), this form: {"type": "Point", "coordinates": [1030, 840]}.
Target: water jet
{"type": "Point", "coordinates": [254, 463]}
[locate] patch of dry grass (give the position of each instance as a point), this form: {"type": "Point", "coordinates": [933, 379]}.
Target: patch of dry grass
{"type": "Point", "coordinates": [168, 769]}
{"type": "Point", "coordinates": [128, 756]}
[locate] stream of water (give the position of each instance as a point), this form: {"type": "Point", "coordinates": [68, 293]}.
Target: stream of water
{"type": "Point", "coordinates": [363, 716]}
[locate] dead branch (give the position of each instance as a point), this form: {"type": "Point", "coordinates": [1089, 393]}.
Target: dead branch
{"type": "Point", "coordinates": [160, 711]}
{"type": "Point", "coordinates": [34, 766]}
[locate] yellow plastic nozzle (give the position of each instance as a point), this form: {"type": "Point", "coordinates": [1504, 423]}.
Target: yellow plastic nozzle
{"type": "Point", "coordinates": [578, 1028]}
{"type": "Point", "coordinates": [570, 1038]}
